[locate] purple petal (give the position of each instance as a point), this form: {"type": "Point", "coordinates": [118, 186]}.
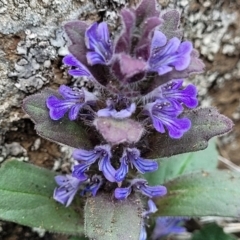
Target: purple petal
{"type": "Point", "coordinates": [142, 165]}
{"type": "Point", "coordinates": [152, 206]}
{"type": "Point", "coordinates": [79, 170]}
{"type": "Point", "coordinates": [95, 58]}
{"type": "Point", "coordinates": [158, 40]}
{"type": "Point", "coordinates": [153, 191]}
{"type": "Point", "coordinates": [74, 110]}
{"type": "Point", "coordinates": [80, 70]}
{"type": "Point", "coordinates": [91, 36]}
{"type": "Point", "coordinates": [122, 193]}
{"type": "Point", "coordinates": [183, 59]}
{"type": "Point", "coordinates": [68, 187]}
{"type": "Point", "coordinates": [103, 33]}
{"type": "Point", "coordinates": [69, 93]}
{"type": "Point", "coordinates": [167, 225]}
{"type": "Point", "coordinates": [173, 92]}
{"type": "Point", "coordinates": [93, 187]}
{"type": "Point", "coordinates": [89, 157]}
{"type": "Point", "coordinates": [97, 183]}
{"type": "Point", "coordinates": [108, 171]}
{"type": "Point", "coordinates": [58, 107]}
{"type": "Point", "coordinates": [122, 171]}
{"type": "Point", "coordinates": [64, 196]}
{"type": "Point", "coordinates": [164, 57]}
{"type": "Point", "coordinates": [105, 112]}
{"type": "Point", "coordinates": [177, 127]}
{"type": "Point", "coordinates": [99, 44]}
{"type": "Point", "coordinates": [125, 113]}
{"type": "Point", "coordinates": [143, 233]}
{"type": "Point", "coordinates": [164, 114]}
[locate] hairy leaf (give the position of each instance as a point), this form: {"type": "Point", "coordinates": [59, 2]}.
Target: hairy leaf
{"type": "Point", "coordinates": [171, 24]}
{"type": "Point", "coordinates": [146, 9]}
{"type": "Point", "coordinates": [26, 198]}
{"type": "Point", "coordinates": [204, 193]}
{"type": "Point", "coordinates": [63, 131]}
{"type": "Point", "coordinates": [76, 31]}
{"type": "Point", "coordinates": [172, 167]}
{"type": "Point", "coordinates": [106, 218]}
{"type": "Point", "coordinates": [206, 123]}
{"type": "Point", "coordinates": [212, 232]}
{"type": "Point", "coordinates": [123, 43]}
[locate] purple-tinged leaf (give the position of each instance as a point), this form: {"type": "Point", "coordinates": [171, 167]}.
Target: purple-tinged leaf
{"type": "Point", "coordinates": [142, 48]}
{"type": "Point", "coordinates": [63, 131]}
{"type": "Point", "coordinates": [206, 123]}
{"type": "Point", "coordinates": [145, 10]}
{"type": "Point", "coordinates": [125, 67]}
{"type": "Point", "coordinates": [119, 131]}
{"type": "Point", "coordinates": [123, 43]}
{"type": "Point", "coordinates": [79, 51]}
{"type": "Point", "coordinates": [171, 23]}
{"type": "Point", "coordinates": [76, 31]}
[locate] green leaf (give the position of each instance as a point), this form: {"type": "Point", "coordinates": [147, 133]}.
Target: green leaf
{"type": "Point", "coordinates": [26, 198]}
{"type": "Point", "coordinates": [204, 193]}
{"type": "Point", "coordinates": [212, 232]}
{"type": "Point", "coordinates": [172, 167]}
{"type": "Point", "coordinates": [106, 218]}
{"type": "Point", "coordinates": [206, 123]}
{"type": "Point", "coordinates": [64, 131]}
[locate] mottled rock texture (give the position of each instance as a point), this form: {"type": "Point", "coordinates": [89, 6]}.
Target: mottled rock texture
{"type": "Point", "coordinates": [32, 45]}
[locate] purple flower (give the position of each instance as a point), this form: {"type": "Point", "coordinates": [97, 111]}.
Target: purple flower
{"type": "Point", "coordinates": [87, 158]}
{"type": "Point", "coordinates": [164, 116]}
{"type": "Point", "coordinates": [143, 233]}
{"type": "Point", "coordinates": [110, 111]}
{"type": "Point", "coordinates": [152, 208]}
{"type": "Point", "coordinates": [68, 187]}
{"type": "Point", "coordinates": [167, 225]}
{"type": "Point", "coordinates": [168, 54]}
{"type": "Point", "coordinates": [122, 193]}
{"type": "Point", "coordinates": [142, 186]}
{"type": "Point", "coordinates": [99, 44]}
{"type": "Point", "coordinates": [173, 92]}
{"type": "Point", "coordinates": [80, 70]}
{"type": "Point", "coordinates": [132, 156]}
{"type": "Point", "coordinates": [72, 100]}
{"type": "Point", "coordinates": [150, 191]}
{"type": "Point", "coordinates": [93, 186]}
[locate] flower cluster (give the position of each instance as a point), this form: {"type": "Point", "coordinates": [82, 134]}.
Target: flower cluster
{"type": "Point", "coordinates": [139, 76]}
